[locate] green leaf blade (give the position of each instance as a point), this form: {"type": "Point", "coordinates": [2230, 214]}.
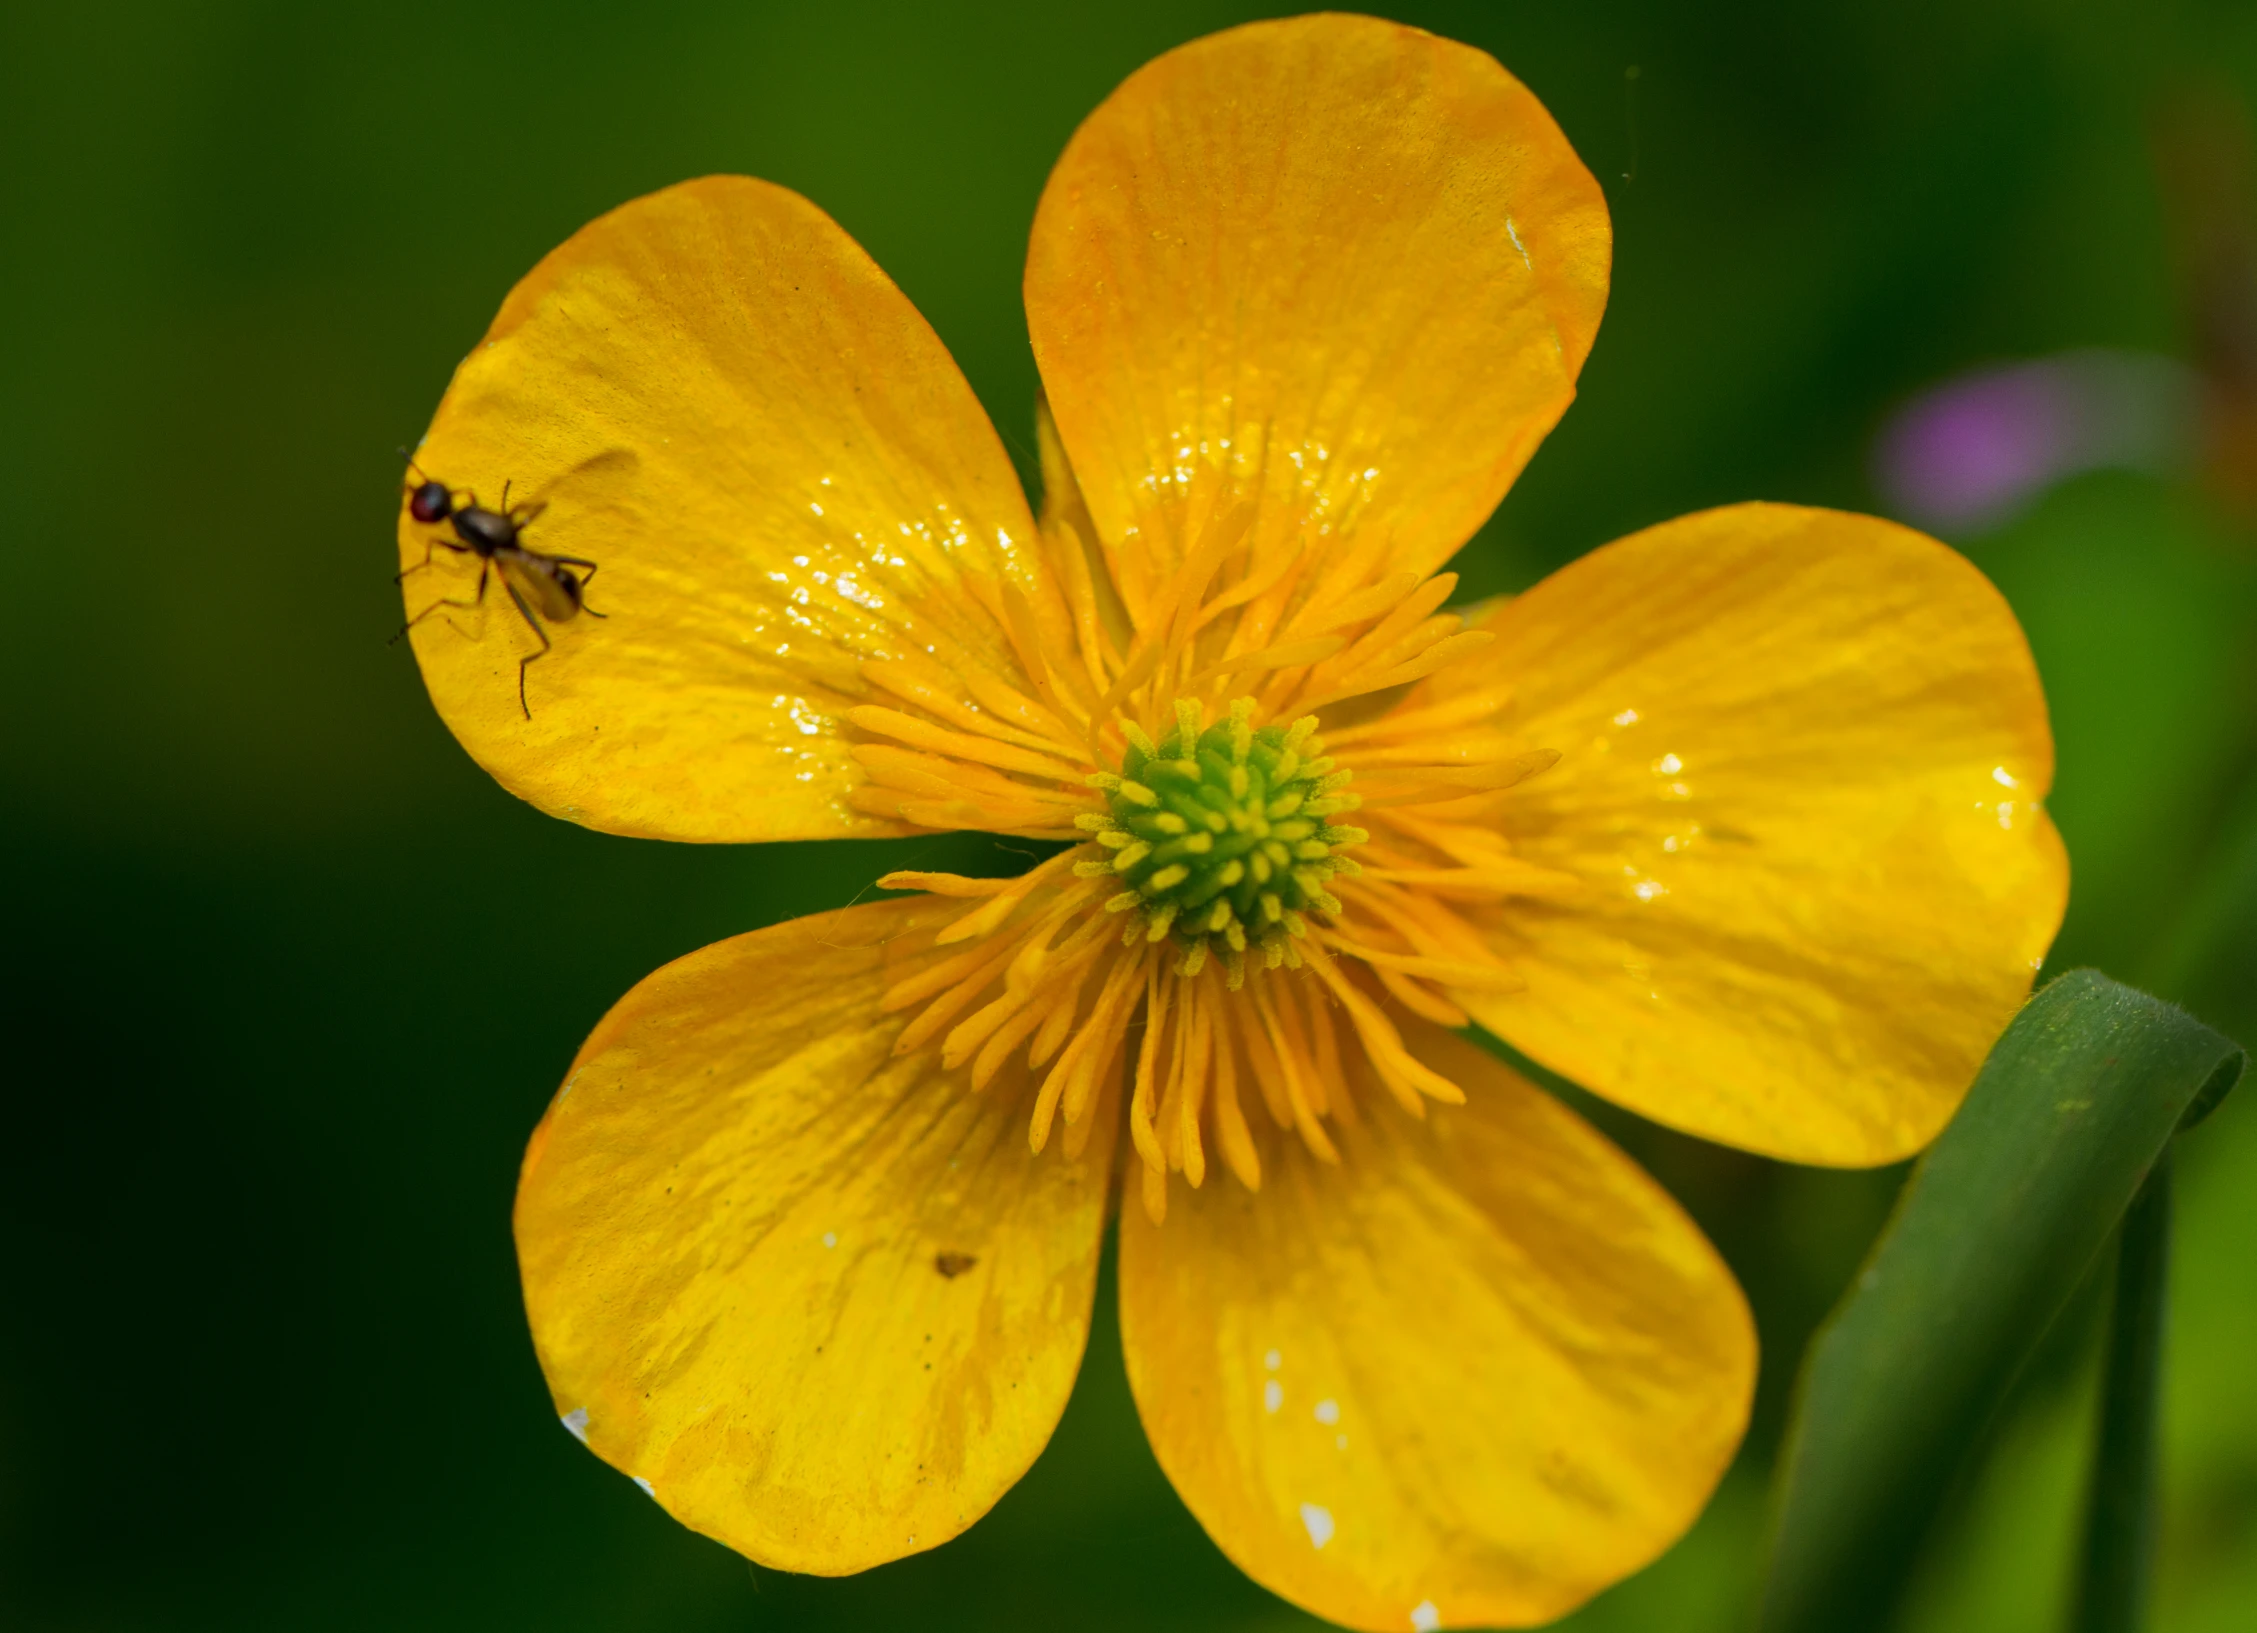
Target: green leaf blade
{"type": "Point", "coordinates": [1995, 1229]}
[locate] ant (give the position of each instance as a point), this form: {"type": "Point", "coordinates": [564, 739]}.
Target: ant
{"type": "Point", "coordinates": [495, 537]}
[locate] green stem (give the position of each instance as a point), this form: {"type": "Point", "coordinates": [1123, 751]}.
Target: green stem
{"type": "Point", "coordinates": [2120, 1509]}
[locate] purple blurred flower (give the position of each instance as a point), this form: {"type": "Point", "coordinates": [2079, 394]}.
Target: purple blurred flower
{"type": "Point", "coordinates": [1967, 454]}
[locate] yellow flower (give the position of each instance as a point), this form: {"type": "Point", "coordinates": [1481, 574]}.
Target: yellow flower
{"type": "Point", "coordinates": [1735, 821]}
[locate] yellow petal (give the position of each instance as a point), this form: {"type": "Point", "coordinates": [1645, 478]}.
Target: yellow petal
{"type": "Point", "coordinates": [818, 1296]}
{"type": "Point", "coordinates": [1802, 759]}
{"type": "Point", "coordinates": [1354, 266]}
{"type": "Point", "coordinates": [1469, 1376]}
{"type": "Point", "coordinates": [722, 401]}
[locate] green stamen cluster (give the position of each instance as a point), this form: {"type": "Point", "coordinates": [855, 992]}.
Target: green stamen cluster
{"type": "Point", "coordinates": [1222, 834]}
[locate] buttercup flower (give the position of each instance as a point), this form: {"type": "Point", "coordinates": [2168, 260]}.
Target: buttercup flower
{"type": "Point", "coordinates": [1734, 821]}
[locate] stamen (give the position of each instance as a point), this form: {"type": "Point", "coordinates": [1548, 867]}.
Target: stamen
{"type": "Point", "coordinates": [1208, 922]}
{"type": "Point", "coordinates": [1236, 1139]}
{"type": "Point", "coordinates": [1288, 655]}
{"type": "Point", "coordinates": [909, 729]}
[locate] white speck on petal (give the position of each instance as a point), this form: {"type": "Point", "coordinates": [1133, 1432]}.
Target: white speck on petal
{"type": "Point", "coordinates": [1669, 765]}
{"type": "Point", "coordinates": [830, 1238]}
{"type": "Point", "coordinates": [576, 1420]}
{"type": "Point", "coordinates": [1319, 1522]}
{"type": "Point", "coordinates": [1340, 1441]}
{"type": "Point", "coordinates": [1328, 1412]}
{"type": "Point", "coordinates": [1513, 233]}
{"type": "Point", "coordinates": [1273, 1360]}
{"type": "Point", "coordinates": [1628, 717]}
{"type": "Point", "coordinates": [1273, 1395]}
{"type": "Point", "coordinates": [1425, 1617]}
{"type": "Point", "coordinates": [645, 1484]}
{"type": "Point", "coordinates": [2002, 777]}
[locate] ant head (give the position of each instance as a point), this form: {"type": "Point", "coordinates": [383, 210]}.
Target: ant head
{"type": "Point", "coordinates": [431, 502]}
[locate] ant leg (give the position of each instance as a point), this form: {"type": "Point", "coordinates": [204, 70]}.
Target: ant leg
{"type": "Point", "coordinates": [429, 545]}
{"type": "Point", "coordinates": [542, 635]}
{"type": "Point", "coordinates": [530, 512]}
{"type": "Point", "coordinates": [474, 601]}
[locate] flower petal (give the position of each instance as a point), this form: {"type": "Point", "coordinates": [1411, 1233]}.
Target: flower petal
{"type": "Point", "coordinates": [818, 1296]}
{"type": "Point", "coordinates": [1469, 1376]}
{"type": "Point", "coordinates": [1803, 755]}
{"type": "Point", "coordinates": [721, 400]}
{"type": "Point", "coordinates": [1355, 266]}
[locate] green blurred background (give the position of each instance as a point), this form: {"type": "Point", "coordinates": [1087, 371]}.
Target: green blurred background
{"type": "Point", "coordinates": [290, 979]}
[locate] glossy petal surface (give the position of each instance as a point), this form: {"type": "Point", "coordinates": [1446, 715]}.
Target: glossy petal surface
{"type": "Point", "coordinates": [1353, 266]}
{"type": "Point", "coordinates": [1802, 755]}
{"type": "Point", "coordinates": [818, 1296]}
{"type": "Point", "coordinates": [1467, 1377]}
{"type": "Point", "coordinates": [722, 401]}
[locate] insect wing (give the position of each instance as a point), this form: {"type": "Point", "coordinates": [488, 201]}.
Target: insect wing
{"type": "Point", "coordinates": [553, 591]}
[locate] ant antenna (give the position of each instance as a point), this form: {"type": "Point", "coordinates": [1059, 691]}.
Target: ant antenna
{"type": "Point", "coordinates": [412, 465]}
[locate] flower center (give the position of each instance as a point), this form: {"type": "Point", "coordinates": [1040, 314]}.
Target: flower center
{"type": "Point", "coordinates": [1224, 831]}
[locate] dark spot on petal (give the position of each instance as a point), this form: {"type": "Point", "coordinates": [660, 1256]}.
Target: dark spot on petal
{"type": "Point", "coordinates": [953, 1265]}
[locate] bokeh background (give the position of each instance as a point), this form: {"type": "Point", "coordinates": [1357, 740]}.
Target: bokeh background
{"type": "Point", "coordinates": [288, 979]}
